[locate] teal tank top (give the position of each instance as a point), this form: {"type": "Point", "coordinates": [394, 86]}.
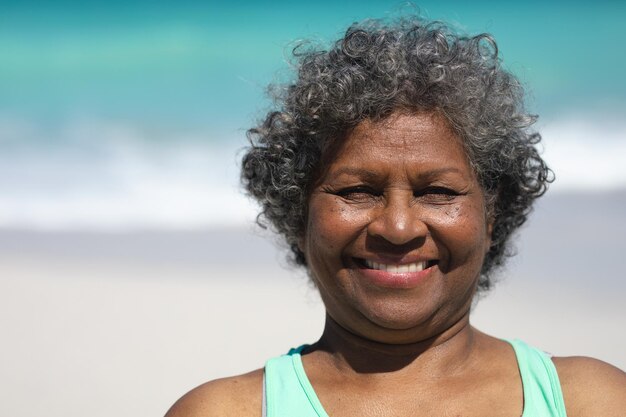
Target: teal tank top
{"type": "Point", "coordinates": [288, 391]}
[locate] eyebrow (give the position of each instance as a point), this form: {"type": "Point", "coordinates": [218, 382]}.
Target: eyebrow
{"type": "Point", "coordinates": [371, 175]}
{"type": "Point", "coordinates": [439, 171]}
{"type": "Point", "coordinates": [356, 172]}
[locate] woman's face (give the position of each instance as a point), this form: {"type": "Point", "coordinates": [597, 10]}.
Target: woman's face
{"type": "Point", "coordinates": [397, 231]}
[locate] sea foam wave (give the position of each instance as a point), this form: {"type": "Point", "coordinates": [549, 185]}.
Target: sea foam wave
{"type": "Point", "coordinates": [586, 154]}
{"type": "Point", "coordinates": [97, 176]}
{"type": "Point", "coordinates": [91, 175]}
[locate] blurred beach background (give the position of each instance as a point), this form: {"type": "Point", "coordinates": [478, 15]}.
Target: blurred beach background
{"type": "Point", "coordinates": [130, 266]}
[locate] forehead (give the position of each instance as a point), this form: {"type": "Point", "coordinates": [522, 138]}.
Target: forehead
{"type": "Point", "coordinates": [424, 138]}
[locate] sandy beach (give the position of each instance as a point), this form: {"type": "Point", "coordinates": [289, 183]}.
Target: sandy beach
{"type": "Point", "coordinates": [123, 324]}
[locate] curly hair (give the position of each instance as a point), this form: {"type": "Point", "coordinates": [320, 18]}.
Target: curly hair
{"type": "Point", "coordinates": [379, 68]}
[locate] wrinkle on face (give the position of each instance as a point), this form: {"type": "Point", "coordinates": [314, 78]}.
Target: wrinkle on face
{"type": "Point", "coordinates": [398, 158]}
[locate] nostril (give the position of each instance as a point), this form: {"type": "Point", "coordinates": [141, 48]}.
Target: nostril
{"type": "Point", "coordinates": [399, 234]}
{"type": "Point", "coordinates": [384, 246]}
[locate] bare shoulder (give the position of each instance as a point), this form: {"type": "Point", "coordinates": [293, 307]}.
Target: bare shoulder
{"type": "Point", "coordinates": [591, 387]}
{"type": "Point", "coordinates": [239, 396]}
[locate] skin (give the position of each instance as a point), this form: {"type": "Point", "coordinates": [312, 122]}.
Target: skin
{"type": "Point", "coordinates": [398, 191]}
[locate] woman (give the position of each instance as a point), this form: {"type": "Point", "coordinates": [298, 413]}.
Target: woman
{"type": "Point", "coordinates": [397, 167]}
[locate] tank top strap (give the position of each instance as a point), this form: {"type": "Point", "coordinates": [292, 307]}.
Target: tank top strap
{"type": "Point", "coordinates": [542, 390]}
{"type": "Point", "coordinates": [288, 391]}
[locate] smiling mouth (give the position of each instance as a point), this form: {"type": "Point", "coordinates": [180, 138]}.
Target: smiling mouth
{"type": "Point", "coordinates": [397, 268]}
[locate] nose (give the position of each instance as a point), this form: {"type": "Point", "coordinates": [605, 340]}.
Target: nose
{"type": "Point", "coordinates": [398, 222]}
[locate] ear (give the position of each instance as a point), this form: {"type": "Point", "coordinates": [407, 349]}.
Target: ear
{"type": "Point", "coordinates": [490, 219]}
{"type": "Point", "coordinates": [301, 244]}
{"type": "Point", "coordinates": [488, 232]}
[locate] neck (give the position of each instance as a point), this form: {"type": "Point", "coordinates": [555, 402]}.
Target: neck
{"type": "Point", "coordinates": [440, 354]}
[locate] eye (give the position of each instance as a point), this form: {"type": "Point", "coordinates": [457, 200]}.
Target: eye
{"type": "Point", "coordinates": [358, 193]}
{"type": "Point", "coordinates": [437, 194]}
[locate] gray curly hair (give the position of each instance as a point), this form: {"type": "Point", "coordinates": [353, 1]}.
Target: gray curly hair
{"type": "Point", "coordinates": [376, 69]}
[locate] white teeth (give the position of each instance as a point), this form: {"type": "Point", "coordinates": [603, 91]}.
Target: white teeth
{"type": "Point", "coordinates": [396, 269]}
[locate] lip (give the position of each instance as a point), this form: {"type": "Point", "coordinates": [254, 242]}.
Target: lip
{"type": "Point", "coordinates": [395, 280]}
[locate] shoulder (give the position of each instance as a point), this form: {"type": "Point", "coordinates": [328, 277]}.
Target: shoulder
{"type": "Point", "coordinates": [591, 387]}
{"type": "Point", "coordinates": [239, 396]}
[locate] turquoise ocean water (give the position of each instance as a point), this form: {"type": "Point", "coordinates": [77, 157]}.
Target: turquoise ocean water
{"type": "Point", "coordinates": [118, 116]}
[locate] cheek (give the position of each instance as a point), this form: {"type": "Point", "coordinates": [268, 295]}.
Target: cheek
{"type": "Point", "coordinates": [331, 226]}
{"type": "Point", "coordinates": [463, 230]}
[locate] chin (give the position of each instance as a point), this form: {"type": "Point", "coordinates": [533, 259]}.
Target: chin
{"type": "Point", "coordinates": [399, 317]}
{"type": "Point", "coordinates": [401, 322]}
